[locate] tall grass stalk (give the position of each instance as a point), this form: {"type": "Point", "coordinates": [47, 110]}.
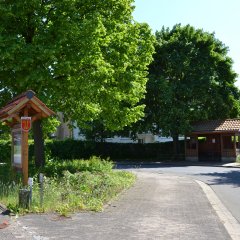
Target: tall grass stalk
{"type": "Point", "coordinates": [9, 193]}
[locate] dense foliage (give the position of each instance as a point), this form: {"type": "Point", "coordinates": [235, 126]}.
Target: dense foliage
{"type": "Point", "coordinates": [191, 78]}
{"type": "Point", "coordinates": [72, 149]}
{"type": "Point", "coordinates": [5, 150]}
{"type": "Point", "coordinates": [87, 59]}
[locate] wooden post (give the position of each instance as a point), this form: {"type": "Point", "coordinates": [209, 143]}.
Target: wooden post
{"type": "Point", "coordinates": [24, 197]}
{"type": "Point", "coordinates": [221, 146]}
{"type": "Point", "coordinates": [235, 149]}
{"type": "Point", "coordinates": [197, 153]}
{"type": "Point", "coordinates": [25, 153]}
{"type": "Point", "coordinates": [25, 157]}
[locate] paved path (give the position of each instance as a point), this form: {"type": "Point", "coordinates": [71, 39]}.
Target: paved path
{"type": "Point", "coordinates": [223, 179]}
{"type": "Point", "coordinates": [12, 230]}
{"type": "Point", "coordinates": [159, 206]}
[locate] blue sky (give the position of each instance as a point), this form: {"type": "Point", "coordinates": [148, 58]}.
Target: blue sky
{"type": "Point", "coordinates": [219, 16]}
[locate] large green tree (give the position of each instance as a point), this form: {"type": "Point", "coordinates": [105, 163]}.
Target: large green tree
{"type": "Point", "coordinates": [191, 78]}
{"type": "Point", "coordinates": [87, 59]}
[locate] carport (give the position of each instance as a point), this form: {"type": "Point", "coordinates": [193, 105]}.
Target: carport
{"type": "Point", "coordinates": [214, 140]}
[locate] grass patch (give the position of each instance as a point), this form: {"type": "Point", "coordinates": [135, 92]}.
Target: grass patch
{"type": "Point", "coordinates": [9, 193]}
{"type": "Point", "coordinates": [94, 164]}
{"type": "Point", "coordinates": [71, 186]}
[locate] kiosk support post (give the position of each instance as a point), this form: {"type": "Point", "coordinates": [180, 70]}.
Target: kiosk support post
{"type": "Point", "coordinates": [25, 157]}
{"type": "Point", "coordinates": [25, 153]}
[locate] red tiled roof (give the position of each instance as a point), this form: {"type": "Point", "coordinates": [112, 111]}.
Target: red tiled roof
{"type": "Point", "coordinates": [28, 96]}
{"type": "Point", "coordinates": [227, 125]}
{"type": "Point", "coordinates": [11, 105]}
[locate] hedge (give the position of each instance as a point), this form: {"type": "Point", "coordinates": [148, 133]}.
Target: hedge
{"type": "Point", "coordinates": [73, 149]}
{"type": "Point", "coordinates": [5, 150]}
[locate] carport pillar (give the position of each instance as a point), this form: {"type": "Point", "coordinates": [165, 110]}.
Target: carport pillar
{"type": "Point", "coordinates": [235, 148]}
{"type": "Point", "coordinates": [221, 146]}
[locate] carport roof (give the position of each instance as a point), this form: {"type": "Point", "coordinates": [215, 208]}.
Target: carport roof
{"type": "Point", "coordinates": [227, 125]}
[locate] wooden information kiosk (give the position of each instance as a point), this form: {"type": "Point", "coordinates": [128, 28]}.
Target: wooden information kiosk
{"type": "Point", "coordinates": [19, 114]}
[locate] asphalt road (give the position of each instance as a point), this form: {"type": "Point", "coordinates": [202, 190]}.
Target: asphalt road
{"type": "Point", "coordinates": [224, 181]}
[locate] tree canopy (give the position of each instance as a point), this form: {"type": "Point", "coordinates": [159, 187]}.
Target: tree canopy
{"type": "Point", "coordinates": [190, 79]}
{"type": "Point", "coordinates": [87, 59]}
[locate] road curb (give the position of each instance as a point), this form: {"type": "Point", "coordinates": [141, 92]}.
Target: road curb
{"type": "Point", "coordinates": [184, 163]}
{"type": "Point", "coordinates": [230, 223]}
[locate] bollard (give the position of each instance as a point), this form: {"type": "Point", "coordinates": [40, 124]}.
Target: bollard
{"type": "Point", "coordinates": [30, 183]}
{"type": "Point", "coordinates": [41, 179]}
{"type": "Point", "coordinates": [24, 198]}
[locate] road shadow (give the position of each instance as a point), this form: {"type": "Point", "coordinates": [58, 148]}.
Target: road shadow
{"type": "Point", "coordinates": [224, 178]}
{"type": "Point", "coordinates": [231, 177]}
{"type": "Point", "coordinates": [139, 165]}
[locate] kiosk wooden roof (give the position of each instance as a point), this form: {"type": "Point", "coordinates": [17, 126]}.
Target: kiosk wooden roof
{"type": "Point", "coordinates": [25, 104]}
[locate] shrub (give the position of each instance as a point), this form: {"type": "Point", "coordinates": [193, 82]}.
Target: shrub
{"type": "Point", "coordinates": [72, 149]}
{"type": "Point", "coordinates": [5, 150]}
{"type": "Point", "coordinates": [94, 164]}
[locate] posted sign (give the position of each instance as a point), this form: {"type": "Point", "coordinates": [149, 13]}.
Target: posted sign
{"type": "Point", "coordinates": [17, 148]}
{"type": "Point", "coordinates": [25, 123]}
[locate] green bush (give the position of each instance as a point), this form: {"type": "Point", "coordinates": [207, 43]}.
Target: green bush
{"type": "Point", "coordinates": [5, 151]}
{"type": "Point", "coordinates": [72, 149]}
{"type": "Point", "coordinates": [94, 164]}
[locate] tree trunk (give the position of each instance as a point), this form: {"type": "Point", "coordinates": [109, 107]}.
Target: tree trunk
{"type": "Point", "coordinates": [175, 146]}
{"type": "Point", "coordinates": [38, 144]}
